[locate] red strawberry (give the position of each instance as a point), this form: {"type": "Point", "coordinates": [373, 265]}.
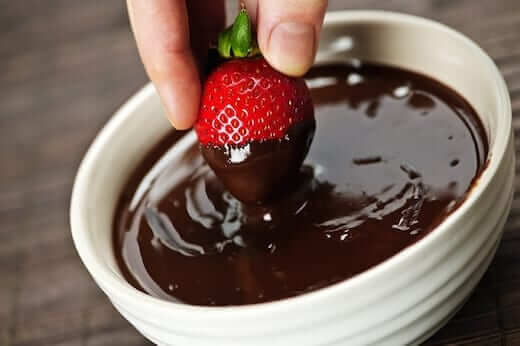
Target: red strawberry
{"type": "Point", "coordinates": [255, 125]}
{"type": "Point", "coordinates": [247, 100]}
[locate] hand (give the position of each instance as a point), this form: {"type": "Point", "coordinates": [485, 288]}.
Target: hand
{"type": "Point", "coordinates": [173, 37]}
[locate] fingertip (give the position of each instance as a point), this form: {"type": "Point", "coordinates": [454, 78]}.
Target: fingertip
{"type": "Point", "coordinates": [180, 123]}
{"type": "Point", "coordinates": [291, 48]}
{"type": "Point", "coordinates": [181, 103]}
{"type": "Point", "coordinates": [288, 33]}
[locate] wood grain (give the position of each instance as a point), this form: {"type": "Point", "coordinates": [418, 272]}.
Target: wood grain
{"type": "Point", "coordinates": [65, 66]}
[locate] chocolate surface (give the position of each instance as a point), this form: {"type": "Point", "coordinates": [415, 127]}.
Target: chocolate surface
{"type": "Point", "coordinates": [394, 152]}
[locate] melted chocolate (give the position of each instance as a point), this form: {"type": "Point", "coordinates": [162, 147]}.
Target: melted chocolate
{"type": "Point", "coordinates": [393, 154]}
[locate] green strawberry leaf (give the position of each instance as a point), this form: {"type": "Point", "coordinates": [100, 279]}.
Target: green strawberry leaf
{"type": "Point", "coordinates": [224, 43]}
{"type": "Point", "coordinates": [241, 35]}
{"type": "Point", "coordinates": [238, 40]}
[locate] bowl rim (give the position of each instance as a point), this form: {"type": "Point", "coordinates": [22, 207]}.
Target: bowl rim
{"type": "Point", "coordinates": [111, 282]}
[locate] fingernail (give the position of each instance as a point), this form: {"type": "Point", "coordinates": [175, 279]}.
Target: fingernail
{"type": "Point", "coordinates": [291, 48]}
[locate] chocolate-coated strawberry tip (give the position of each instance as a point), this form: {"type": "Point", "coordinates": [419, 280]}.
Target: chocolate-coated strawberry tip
{"type": "Point", "coordinates": [260, 171]}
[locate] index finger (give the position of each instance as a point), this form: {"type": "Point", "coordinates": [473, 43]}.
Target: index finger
{"type": "Point", "coordinates": [162, 34]}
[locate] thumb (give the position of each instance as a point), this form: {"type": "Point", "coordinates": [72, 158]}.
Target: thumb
{"type": "Point", "coordinates": [288, 33]}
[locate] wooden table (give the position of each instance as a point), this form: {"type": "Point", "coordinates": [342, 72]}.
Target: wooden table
{"type": "Point", "coordinates": [65, 66]}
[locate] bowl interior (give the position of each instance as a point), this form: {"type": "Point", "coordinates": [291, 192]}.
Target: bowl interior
{"type": "Point", "coordinates": [432, 50]}
{"type": "Point", "coordinates": [403, 41]}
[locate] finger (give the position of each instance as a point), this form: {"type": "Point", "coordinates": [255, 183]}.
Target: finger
{"type": "Point", "coordinates": [288, 33]}
{"type": "Point", "coordinates": [162, 34]}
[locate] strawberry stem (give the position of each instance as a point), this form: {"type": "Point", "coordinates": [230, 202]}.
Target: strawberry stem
{"type": "Point", "coordinates": [237, 41]}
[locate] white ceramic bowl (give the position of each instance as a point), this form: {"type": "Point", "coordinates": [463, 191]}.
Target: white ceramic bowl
{"type": "Point", "coordinates": [403, 300]}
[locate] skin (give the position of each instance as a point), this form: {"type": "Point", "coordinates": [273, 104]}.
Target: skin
{"type": "Point", "coordinates": [173, 37]}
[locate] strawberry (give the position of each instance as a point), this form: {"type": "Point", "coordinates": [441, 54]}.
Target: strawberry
{"type": "Point", "coordinates": [255, 124]}
{"type": "Point", "coordinates": [247, 100]}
